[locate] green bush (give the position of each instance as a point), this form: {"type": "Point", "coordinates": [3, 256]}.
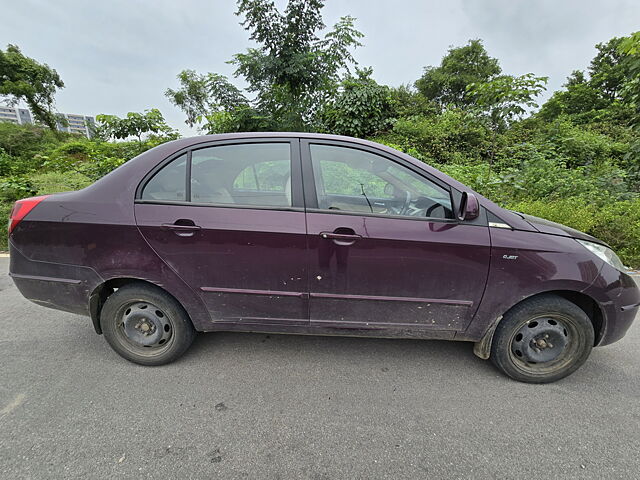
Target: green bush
{"type": "Point", "coordinates": [581, 145]}
{"type": "Point", "coordinates": [450, 137]}
{"type": "Point", "coordinates": [361, 108]}
{"type": "Point", "coordinates": [572, 212]}
{"type": "Point", "coordinates": [91, 159]}
{"type": "Point", "coordinates": [24, 142]}
{"type": "Point", "coordinates": [617, 224]}
{"type": "Point", "coordinates": [6, 162]}
{"type": "Point", "coordinates": [54, 182]}
{"type": "Point", "coordinates": [5, 209]}
{"type": "Point", "coordinates": [15, 188]}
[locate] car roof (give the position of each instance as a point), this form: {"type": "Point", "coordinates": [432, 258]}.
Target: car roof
{"type": "Point", "coordinates": [231, 136]}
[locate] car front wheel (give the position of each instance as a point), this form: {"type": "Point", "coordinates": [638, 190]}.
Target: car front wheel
{"type": "Point", "coordinates": [542, 340]}
{"type": "Point", "coordinates": [146, 325]}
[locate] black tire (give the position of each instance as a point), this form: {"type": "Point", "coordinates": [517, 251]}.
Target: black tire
{"type": "Point", "coordinates": [542, 340]}
{"type": "Point", "coordinates": [139, 314]}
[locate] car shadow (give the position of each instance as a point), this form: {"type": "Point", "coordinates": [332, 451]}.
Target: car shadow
{"type": "Point", "coordinates": [336, 350]}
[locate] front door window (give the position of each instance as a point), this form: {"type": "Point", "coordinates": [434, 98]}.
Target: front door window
{"type": "Point", "coordinates": [352, 180]}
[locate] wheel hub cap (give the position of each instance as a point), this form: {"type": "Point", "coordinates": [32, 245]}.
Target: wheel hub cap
{"type": "Point", "coordinates": [146, 325]}
{"type": "Point", "coordinates": [541, 340]}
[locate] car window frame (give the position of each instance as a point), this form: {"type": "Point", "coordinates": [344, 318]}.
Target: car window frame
{"type": "Point", "coordinates": [297, 194]}
{"type": "Point", "coordinates": [309, 184]}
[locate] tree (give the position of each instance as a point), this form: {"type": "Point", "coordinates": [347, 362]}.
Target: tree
{"type": "Point", "coordinates": [600, 95]}
{"type": "Point", "coordinates": [608, 70]}
{"type": "Point", "coordinates": [462, 66]}
{"type": "Point", "coordinates": [361, 108]}
{"type": "Point", "coordinates": [133, 125]}
{"type": "Point", "coordinates": [630, 48]}
{"type": "Point", "coordinates": [217, 104]}
{"type": "Point", "coordinates": [407, 102]}
{"type": "Point", "coordinates": [24, 79]}
{"type": "Point", "coordinates": [292, 72]}
{"type": "Point", "coordinates": [506, 97]}
{"type": "Point", "coordinates": [580, 100]}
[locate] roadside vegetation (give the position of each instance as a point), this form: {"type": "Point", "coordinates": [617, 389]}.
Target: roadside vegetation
{"type": "Point", "coordinates": [574, 159]}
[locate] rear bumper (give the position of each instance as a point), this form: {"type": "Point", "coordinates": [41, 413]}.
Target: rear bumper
{"type": "Point", "coordinates": [619, 299]}
{"type": "Point", "coordinates": [54, 285]}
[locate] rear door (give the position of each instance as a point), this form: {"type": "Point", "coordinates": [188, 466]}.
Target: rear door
{"type": "Point", "coordinates": [385, 249]}
{"type": "Point", "coordinates": [229, 219]}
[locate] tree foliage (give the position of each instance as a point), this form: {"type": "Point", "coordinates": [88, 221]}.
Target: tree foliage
{"type": "Point", "coordinates": [608, 70]}
{"type": "Point", "coordinates": [24, 79]}
{"type": "Point", "coordinates": [133, 125]}
{"type": "Point", "coordinates": [603, 95]}
{"type": "Point", "coordinates": [361, 108]}
{"type": "Point", "coordinates": [212, 100]}
{"type": "Point", "coordinates": [292, 73]}
{"type": "Point", "coordinates": [630, 48]}
{"type": "Point", "coordinates": [447, 83]}
{"type": "Point", "coordinates": [506, 97]}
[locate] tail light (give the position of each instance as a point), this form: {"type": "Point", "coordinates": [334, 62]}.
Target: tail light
{"type": "Point", "coordinates": [21, 208]}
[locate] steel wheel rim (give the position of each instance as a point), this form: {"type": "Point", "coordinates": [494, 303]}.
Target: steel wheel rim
{"type": "Point", "coordinates": [144, 328]}
{"type": "Point", "coordinates": [544, 344]}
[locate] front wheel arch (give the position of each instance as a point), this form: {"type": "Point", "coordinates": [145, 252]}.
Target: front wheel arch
{"type": "Point", "coordinates": [482, 348]}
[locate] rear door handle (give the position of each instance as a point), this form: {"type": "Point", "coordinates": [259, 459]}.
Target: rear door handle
{"type": "Point", "coordinates": [181, 229]}
{"type": "Point", "coordinates": [173, 226]}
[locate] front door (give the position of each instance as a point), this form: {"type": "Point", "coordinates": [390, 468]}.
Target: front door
{"type": "Point", "coordinates": [229, 220]}
{"type": "Point", "coordinates": [385, 249]}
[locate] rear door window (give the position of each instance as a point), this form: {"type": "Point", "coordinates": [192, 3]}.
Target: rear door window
{"type": "Point", "coordinates": [244, 174]}
{"type": "Point", "coordinates": [240, 174]}
{"type": "Point", "coordinates": [169, 184]}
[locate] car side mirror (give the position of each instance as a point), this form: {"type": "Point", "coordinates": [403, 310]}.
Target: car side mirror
{"type": "Point", "coordinates": [469, 207]}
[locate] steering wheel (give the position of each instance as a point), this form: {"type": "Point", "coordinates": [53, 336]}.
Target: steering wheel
{"type": "Point", "coordinates": [407, 203]}
{"type": "Point", "coordinates": [433, 207]}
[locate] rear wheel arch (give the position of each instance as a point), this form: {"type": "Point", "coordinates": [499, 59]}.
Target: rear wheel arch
{"type": "Point", "coordinates": [104, 290]}
{"type": "Point", "coordinates": [482, 348]}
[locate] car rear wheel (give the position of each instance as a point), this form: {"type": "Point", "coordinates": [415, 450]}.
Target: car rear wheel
{"type": "Point", "coordinates": [145, 325]}
{"type": "Point", "coordinates": [542, 340]}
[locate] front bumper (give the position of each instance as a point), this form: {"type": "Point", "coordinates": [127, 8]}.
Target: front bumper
{"type": "Point", "coordinates": [619, 299]}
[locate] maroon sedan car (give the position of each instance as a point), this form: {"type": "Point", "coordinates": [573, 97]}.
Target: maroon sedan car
{"type": "Point", "coordinates": [315, 234]}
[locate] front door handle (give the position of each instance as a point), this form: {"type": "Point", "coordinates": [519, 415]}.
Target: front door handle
{"type": "Point", "coordinates": [341, 238]}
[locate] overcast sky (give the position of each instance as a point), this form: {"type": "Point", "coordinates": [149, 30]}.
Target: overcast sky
{"type": "Point", "coordinates": [117, 56]}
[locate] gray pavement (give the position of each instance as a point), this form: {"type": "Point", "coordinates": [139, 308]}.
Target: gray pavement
{"type": "Point", "coordinates": [279, 406]}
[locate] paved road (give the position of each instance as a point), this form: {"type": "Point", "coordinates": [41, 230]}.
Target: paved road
{"type": "Point", "coordinates": [276, 406]}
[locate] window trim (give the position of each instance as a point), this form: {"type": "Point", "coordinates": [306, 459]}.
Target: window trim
{"type": "Point", "coordinates": [311, 195]}
{"type": "Point", "coordinates": [297, 194]}
{"type": "Point", "coordinates": [219, 205]}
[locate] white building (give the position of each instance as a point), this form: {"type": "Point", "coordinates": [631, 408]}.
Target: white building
{"type": "Point", "coordinates": [81, 124]}
{"type": "Point", "coordinates": [15, 115]}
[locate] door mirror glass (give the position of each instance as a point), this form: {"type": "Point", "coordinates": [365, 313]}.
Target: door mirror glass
{"type": "Point", "coordinates": [469, 207]}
